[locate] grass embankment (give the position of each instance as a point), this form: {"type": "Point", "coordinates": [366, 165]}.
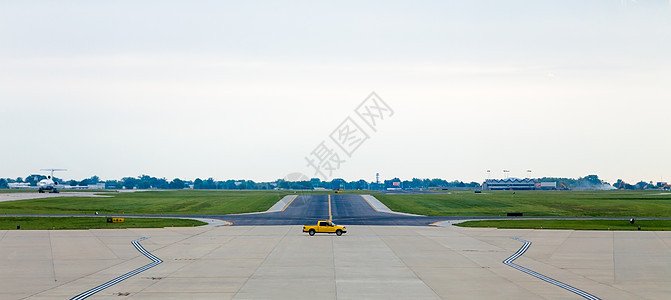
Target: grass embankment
{"type": "Point", "coordinates": [534, 203]}
{"type": "Point", "coordinates": [652, 225]}
{"type": "Point", "coordinates": [176, 202]}
{"type": "Point", "coordinates": [63, 223]}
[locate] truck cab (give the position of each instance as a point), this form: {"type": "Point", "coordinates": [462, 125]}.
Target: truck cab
{"type": "Point", "coordinates": [324, 227]}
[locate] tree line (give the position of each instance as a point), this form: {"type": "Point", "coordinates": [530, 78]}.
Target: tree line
{"type": "Point", "coordinates": [589, 182]}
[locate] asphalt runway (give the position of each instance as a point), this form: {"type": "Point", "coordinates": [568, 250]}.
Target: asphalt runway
{"type": "Point", "coordinates": [344, 209]}
{"type": "Point", "coordinates": [36, 195]}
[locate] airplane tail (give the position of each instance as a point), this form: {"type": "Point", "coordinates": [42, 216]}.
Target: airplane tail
{"type": "Point", "coordinates": [51, 176]}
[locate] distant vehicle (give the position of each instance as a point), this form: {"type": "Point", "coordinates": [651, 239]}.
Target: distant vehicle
{"type": "Point", "coordinates": [338, 191]}
{"type": "Point", "coordinates": [324, 227]}
{"type": "Point", "coordinates": [48, 184]}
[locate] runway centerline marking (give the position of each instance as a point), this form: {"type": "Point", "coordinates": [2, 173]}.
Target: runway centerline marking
{"type": "Point", "coordinates": [292, 200]}
{"type": "Point", "coordinates": [330, 215]}
{"type": "Point", "coordinates": [527, 244]}
{"type": "Point", "coordinates": [136, 243]}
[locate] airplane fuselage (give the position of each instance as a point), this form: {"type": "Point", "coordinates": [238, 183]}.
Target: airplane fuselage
{"type": "Point", "coordinates": [47, 185]}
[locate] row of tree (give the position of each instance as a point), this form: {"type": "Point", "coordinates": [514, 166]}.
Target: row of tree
{"type": "Point", "coordinates": [590, 182]}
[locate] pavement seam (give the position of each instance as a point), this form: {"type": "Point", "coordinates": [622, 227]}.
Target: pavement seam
{"type": "Point", "coordinates": [613, 244]}
{"type": "Point", "coordinates": [105, 245]}
{"type": "Point", "coordinates": [53, 263]}
{"type": "Point", "coordinates": [407, 266]}
{"type": "Point", "coordinates": [561, 244]}
{"type": "Point", "coordinates": [659, 237]}
{"type": "Point", "coordinates": [263, 262]}
{"type": "Point", "coordinates": [612, 285]}
{"type": "Point", "coordinates": [335, 275]}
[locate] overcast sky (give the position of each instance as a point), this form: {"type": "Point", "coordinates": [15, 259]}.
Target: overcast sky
{"type": "Point", "coordinates": [248, 89]}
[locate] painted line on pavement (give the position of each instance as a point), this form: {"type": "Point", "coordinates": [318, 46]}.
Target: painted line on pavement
{"type": "Point", "coordinates": [527, 244]}
{"type": "Point", "coordinates": [292, 200]}
{"type": "Point", "coordinates": [330, 215]}
{"type": "Point", "coordinates": [371, 204]}
{"type": "Point", "coordinates": [136, 243]}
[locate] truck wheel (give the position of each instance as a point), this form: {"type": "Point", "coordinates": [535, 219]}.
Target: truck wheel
{"type": "Point", "coordinates": [311, 232]}
{"type": "Point", "coordinates": [338, 232]}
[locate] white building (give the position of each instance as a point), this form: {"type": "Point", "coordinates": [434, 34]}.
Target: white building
{"type": "Point", "coordinates": [510, 184]}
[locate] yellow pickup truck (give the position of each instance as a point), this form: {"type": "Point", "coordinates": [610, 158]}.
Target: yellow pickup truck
{"type": "Point", "coordinates": [324, 227]}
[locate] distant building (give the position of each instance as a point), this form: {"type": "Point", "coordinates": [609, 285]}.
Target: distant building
{"type": "Point", "coordinates": [97, 186]}
{"type": "Point", "coordinates": [548, 185]}
{"type": "Point", "coordinates": [18, 185]}
{"type": "Point", "coordinates": [511, 184]}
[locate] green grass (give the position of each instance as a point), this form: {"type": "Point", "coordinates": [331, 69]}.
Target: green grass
{"type": "Point", "coordinates": [63, 223]}
{"type": "Point", "coordinates": [455, 203]}
{"type": "Point", "coordinates": [534, 203]}
{"type": "Point", "coordinates": [656, 225]}
{"type": "Point", "coordinates": [177, 202]}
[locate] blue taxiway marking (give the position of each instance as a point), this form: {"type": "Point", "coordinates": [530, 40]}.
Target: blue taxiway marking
{"type": "Point", "coordinates": [527, 244]}
{"type": "Point", "coordinates": [155, 262]}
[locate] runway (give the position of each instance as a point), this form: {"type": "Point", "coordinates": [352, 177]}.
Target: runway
{"type": "Point", "coordinates": [344, 209]}
{"type": "Point", "coordinates": [27, 196]}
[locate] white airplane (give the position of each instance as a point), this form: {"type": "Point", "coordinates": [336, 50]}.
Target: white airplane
{"type": "Point", "coordinates": [49, 184]}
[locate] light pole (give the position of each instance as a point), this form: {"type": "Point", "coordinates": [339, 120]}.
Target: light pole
{"type": "Point", "coordinates": [505, 173]}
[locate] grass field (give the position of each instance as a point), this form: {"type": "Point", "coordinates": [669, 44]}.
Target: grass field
{"type": "Point", "coordinates": [176, 202]}
{"type": "Point", "coordinates": [455, 203]}
{"type": "Point", "coordinates": [62, 223]}
{"type": "Point", "coordinates": [534, 203]}
{"type": "Point", "coordinates": [656, 225]}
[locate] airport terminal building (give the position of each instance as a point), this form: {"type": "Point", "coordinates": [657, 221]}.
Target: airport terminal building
{"type": "Point", "coordinates": [511, 184]}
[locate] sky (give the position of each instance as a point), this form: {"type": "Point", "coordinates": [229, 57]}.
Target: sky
{"type": "Point", "coordinates": [258, 89]}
